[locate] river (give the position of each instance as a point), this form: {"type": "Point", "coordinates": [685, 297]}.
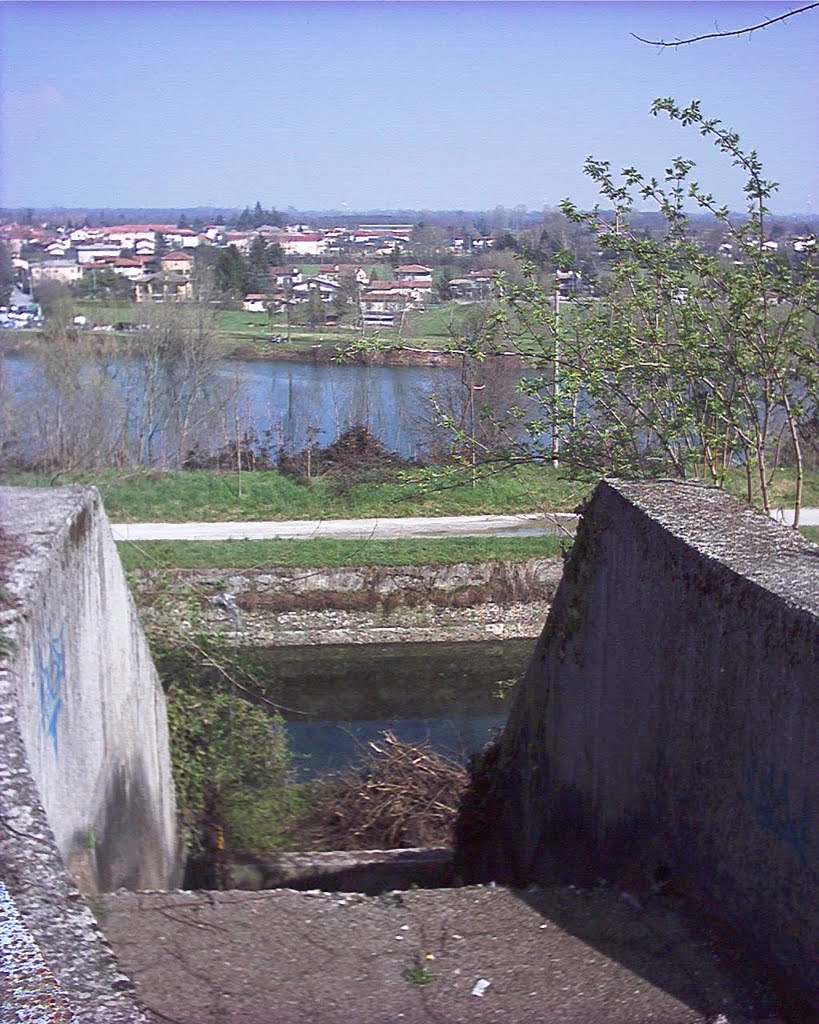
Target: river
{"type": "Point", "coordinates": [285, 403]}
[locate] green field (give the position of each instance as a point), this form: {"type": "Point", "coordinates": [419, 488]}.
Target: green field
{"type": "Point", "coordinates": [208, 495]}
{"type": "Point", "coordinates": [328, 553]}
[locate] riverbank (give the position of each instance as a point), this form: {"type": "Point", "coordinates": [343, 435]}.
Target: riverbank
{"type": "Point", "coordinates": [303, 350]}
{"type": "Point", "coordinates": [352, 605]}
{"type": "Point", "coordinates": [392, 355]}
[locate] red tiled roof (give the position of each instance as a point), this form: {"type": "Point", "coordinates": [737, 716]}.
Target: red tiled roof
{"type": "Point", "coordinates": [413, 268]}
{"type": "Point", "coordinates": [177, 254]}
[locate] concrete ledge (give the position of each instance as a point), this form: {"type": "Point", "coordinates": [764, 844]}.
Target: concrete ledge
{"type": "Point", "coordinates": [667, 729]}
{"type": "Point", "coordinates": [84, 769]}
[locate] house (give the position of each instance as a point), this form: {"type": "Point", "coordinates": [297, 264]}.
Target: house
{"type": "Point", "coordinates": [60, 271]}
{"type": "Point", "coordinates": [163, 287]}
{"type": "Point", "coordinates": [57, 249]}
{"type": "Point", "coordinates": [326, 288]}
{"type": "Point", "coordinates": [285, 277]}
{"type": "Point", "coordinates": [176, 262]}
{"type": "Point", "coordinates": [254, 302]}
{"type": "Point", "coordinates": [130, 269]}
{"type": "Point", "coordinates": [415, 273]}
{"type": "Point", "coordinates": [350, 274]}
{"type": "Point", "coordinates": [371, 233]}
{"type": "Point", "coordinates": [90, 252]}
{"type": "Point", "coordinates": [128, 235]}
{"type": "Point", "coordinates": [475, 287]}
{"type": "Point", "coordinates": [241, 239]}
{"type": "Point", "coordinates": [307, 243]}
{"type": "Point", "coordinates": [181, 238]}
{"type": "Point", "coordinates": [385, 303]}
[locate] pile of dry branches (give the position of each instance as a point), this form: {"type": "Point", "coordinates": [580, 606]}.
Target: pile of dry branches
{"type": "Point", "coordinates": [401, 796]}
{"type": "Point", "coordinates": [354, 451]}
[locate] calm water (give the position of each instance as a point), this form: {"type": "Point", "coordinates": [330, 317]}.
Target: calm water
{"type": "Point", "coordinates": [293, 402]}
{"type": "Point", "coordinates": [338, 698]}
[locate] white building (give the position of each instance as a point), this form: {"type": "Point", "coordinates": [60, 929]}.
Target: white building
{"type": "Point", "coordinates": [60, 271]}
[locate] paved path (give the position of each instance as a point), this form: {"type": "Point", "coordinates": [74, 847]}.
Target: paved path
{"type": "Point", "coordinates": [521, 525]}
{"type": "Point", "coordinates": [807, 517]}
{"type": "Point", "coordinates": [353, 529]}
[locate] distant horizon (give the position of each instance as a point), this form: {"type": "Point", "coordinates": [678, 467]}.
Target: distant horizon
{"type": "Point", "coordinates": [387, 105]}
{"type": "Point", "coordinates": [398, 212]}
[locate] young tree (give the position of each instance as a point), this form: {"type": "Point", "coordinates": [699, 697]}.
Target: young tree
{"type": "Point", "coordinates": [6, 274]}
{"type": "Point", "coordinates": [687, 365]}
{"type": "Point", "coordinates": [230, 273]}
{"type": "Point", "coordinates": [315, 308]}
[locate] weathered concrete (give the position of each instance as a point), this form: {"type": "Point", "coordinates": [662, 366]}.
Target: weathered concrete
{"type": "Point", "coordinates": [366, 871]}
{"type": "Point", "coordinates": [549, 957]}
{"type": "Point", "coordinates": [85, 693]}
{"type": "Point", "coordinates": [85, 778]}
{"type": "Point", "coordinates": [666, 729]}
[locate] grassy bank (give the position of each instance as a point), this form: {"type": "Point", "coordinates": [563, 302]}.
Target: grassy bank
{"type": "Point", "coordinates": [328, 553]}
{"type": "Point", "coordinates": [211, 496]}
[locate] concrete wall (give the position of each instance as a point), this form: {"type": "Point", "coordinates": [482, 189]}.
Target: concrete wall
{"type": "Point", "coordinates": [667, 725]}
{"type": "Point", "coordinates": [84, 692]}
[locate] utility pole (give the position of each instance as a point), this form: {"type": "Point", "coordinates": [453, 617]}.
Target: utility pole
{"type": "Point", "coordinates": [556, 382]}
{"type": "Point", "coordinates": [472, 389]}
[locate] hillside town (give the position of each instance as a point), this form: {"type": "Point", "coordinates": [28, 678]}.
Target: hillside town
{"type": "Point", "coordinates": [149, 263]}
{"type": "Point", "coordinates": [372, 274]}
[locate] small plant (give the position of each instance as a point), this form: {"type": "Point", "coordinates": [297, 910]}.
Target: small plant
{"type": "Point", "coordinates": [98, 909]}
{"type": "Point", "coordinates": [420, 974]}
{"type": "Point", "coordinates": [7, 645]}
{"type": "Point", "coordinates": [502, 687]}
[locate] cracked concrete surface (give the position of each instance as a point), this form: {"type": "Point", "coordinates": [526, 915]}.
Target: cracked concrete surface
{"type": "Point", "coordinates": [558, 956]}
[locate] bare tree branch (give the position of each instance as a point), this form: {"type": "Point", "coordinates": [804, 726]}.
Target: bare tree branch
{"type": "Point", "coordinates": [724, 35]}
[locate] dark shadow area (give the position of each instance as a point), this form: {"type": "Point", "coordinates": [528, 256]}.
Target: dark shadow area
{"type": "Point", "coordinates": [659, 938]}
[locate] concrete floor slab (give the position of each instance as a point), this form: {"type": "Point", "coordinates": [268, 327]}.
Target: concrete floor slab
{"type": "Point", "coordinates": [558, 956]}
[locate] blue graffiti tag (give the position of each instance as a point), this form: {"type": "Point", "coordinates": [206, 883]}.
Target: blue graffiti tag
{"type": "Point", "coordinates": [50, 680]}
{"type": "Point", "coordinates": [768, 795]}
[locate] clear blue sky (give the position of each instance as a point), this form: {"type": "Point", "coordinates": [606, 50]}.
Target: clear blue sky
{"type": "Point", "coordinates": [386, 105]}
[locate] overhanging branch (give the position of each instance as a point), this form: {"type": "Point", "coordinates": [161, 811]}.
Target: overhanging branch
{"type": "Point", "coordinates": [725, 35]}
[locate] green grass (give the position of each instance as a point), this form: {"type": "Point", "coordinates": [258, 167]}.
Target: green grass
{"type": "Point", "coordinates": [443, 323]}
{"type": "Point", "coordinates": [238, 321]}
{"type": "Point", "coordinates": [782, 487]}
{"type": "Point", "coordinates": [108, 312]}
{"type": "Point", "coordinates": [811, 533]}
{"type": "Point", "coordinates": [326, 553]}
{"type": "Point", "coordinates": [211, 496]}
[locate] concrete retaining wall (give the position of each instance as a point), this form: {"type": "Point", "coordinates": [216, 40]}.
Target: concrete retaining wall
{"type": "Point", "coordinates": [666, 729]}
{"type": "Point", "coordinates": [282, 606]}
{"type": "Point", "coordinates": [85, 778]}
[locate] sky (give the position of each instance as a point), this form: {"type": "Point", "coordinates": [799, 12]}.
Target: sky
{"type": "Point", "coordinates": [370, 105]}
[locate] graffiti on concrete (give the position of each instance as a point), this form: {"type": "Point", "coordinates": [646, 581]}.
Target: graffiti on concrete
{"type": "Point", "coordinates": [769, 796]}
{"type": "Point", "coordinates": [50, 666]}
